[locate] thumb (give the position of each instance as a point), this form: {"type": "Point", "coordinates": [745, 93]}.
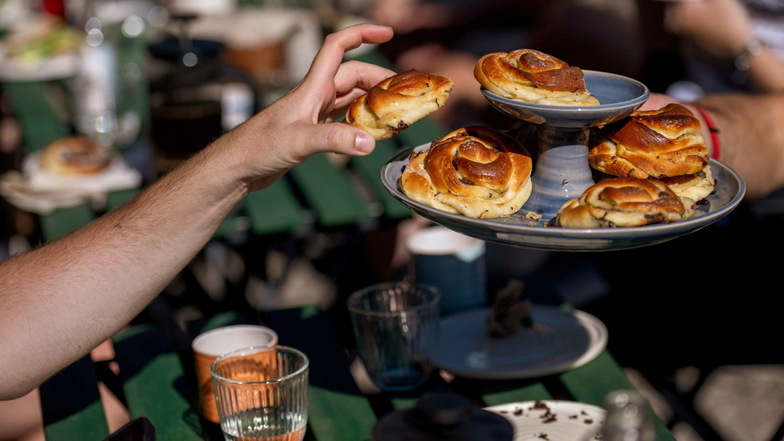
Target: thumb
{"type": "Point", "coordinates": [345, 139]}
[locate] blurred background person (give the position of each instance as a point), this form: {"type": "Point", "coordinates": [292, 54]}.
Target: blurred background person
{"type": "Point", "coordinates": [447, 37]}
{"type": "Point", "coordinates": [728, 45]}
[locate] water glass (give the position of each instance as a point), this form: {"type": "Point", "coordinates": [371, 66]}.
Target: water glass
{"type": "Point", "coordinates": [262, 393]}
{"type": "Point", "coordinates": [396, 328]}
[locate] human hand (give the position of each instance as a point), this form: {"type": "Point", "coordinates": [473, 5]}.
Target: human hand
{"type": "Point", "coordinates": [299, 124]}
{"type": "Point", "coordinates": [405, 16]}
{"type": "Point", "coordinates": [720, 27]}
{"type": "Point", "coordinates": [657, 101]}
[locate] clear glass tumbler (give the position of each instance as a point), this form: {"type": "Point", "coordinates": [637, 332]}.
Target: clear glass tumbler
{"type": "Point", "coordinates": [396, 327]}
{"type": "Point", "coordinates": [262, 393]}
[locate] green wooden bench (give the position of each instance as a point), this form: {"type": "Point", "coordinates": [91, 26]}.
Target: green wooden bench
{"type": "Point", "coordinates": [157, 382]}
{"type": "Point", "coordinates": [317, 194]}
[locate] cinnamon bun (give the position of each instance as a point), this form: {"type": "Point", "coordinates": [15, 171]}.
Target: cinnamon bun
{"type": "Point", "coordinates": [535, 77]}
{"type": "Point", "coordinates": [476, 171]}
{"type": "Point", "coordinates": [397, 102]}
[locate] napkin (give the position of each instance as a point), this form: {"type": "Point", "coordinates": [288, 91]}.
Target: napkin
{"type": "Point", "coordinates": [40, 191]}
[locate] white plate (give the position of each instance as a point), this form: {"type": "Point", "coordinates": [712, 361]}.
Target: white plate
{"type": "Point", "coordinates": [552, 420]}
{"type": "Point", "coordinates": [53, 68]}
{"type": "Point", "coordinates": [560, 340]}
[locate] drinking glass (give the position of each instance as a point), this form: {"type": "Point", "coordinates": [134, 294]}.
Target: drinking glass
{"type": "Point", "coordinates": [262, 393]}
{"type": "Point", "coordinates": [396, 328]}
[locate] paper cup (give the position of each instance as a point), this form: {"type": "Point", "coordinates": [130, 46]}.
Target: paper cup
{"type": "Point", "coordinates": [210, 345]}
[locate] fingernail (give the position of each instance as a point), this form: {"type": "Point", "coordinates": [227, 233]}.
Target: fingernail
{"type": "Point", "coordinates": [363, 143]}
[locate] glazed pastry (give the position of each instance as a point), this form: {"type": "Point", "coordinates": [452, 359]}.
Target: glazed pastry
{"type": "Point", "coordinates": [696, 187]}
{"type": "Point", "coordinates": [74, 156]}
{"type": "Point", "coordinates": [475, 171]}
{"type": "Point", "coordinates": [624, 202]}
{"type": "Point", "coordinates": [650, 144]}
{"type": "Point", "coordinates": [397, 102]}
{"type": "Point", "coordinates": [534, 77]}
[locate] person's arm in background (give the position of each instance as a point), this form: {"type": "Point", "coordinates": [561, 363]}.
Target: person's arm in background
{"type": "Point", "coordinates": [61, 300]}
{"type": "Point", "coordinates": [723, 28]}
{"type": "Point", "coordinates": [751, 135]}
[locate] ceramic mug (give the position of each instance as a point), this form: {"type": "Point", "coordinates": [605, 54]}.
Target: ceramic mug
{"type": "Point", "coordinates": [452, 262]}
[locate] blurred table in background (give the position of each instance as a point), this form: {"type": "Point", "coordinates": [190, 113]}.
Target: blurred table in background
{"type": "Point", "coordinates": [344, 198]}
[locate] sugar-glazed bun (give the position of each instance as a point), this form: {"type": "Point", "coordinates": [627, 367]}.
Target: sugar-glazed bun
{"type": "Point", "coordinates": [476, 171]}
{"type": "Point", "coordinates": [624, 202]}
{"type": "Point", "coordinates": [696, 187]}
{"type": "Point", "coordinates": [74, 156]}
{"type": "Point", "coordinates": [397, 102]}
{"type": "Point", "coordinates": [534, 77]}
{"type": "Point", "coordinates": [652, 143]}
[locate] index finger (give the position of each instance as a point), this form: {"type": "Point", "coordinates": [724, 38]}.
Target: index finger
{"type": "Point", "coordinates": [330, 56]}
{"type": "Point", "coordinates": [356, 74]}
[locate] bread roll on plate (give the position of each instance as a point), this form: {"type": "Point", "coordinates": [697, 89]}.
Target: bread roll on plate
{"type": "Point", "coordinates": [476, 171]}
{"type": "Point", "coordinates": [75, 156]}
{"type": "Point", "coordinates": [624, 202]}
{"type": "Point", "coordinates": [650, 144]}
{"type": "Point", "coordinates": [532, 76]}
{"type": "Point", "coordinates": [397, 102]}
{"type": "Point", "coordinates": [696, 187]}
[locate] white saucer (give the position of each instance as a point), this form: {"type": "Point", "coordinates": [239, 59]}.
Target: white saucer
{"type": "Point", "coordinates": [560, 340]}
{"type": "Point", "coordinates": [552, 420]}
{"type": "Point", "coordinates": [52, 68]}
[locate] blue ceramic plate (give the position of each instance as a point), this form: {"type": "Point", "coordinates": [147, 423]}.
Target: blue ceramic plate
{"type": "Point", "coordinates": [559, 341]}
{"type": "Point", "coordinates": [520, 231]}
{"type": "Point", "coordinates": [618, 96]}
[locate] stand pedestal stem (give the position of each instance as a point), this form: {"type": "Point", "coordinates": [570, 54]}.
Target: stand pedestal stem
{"type": "Point", "coordinates": [562, 171]}
{"type": "Point", "coordinates": [551, 136]}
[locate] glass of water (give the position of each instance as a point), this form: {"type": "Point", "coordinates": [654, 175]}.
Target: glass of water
{"type": "Point", "coordinates": [396, 329]}
{"type": "Point", "coordinates": [262, 393]}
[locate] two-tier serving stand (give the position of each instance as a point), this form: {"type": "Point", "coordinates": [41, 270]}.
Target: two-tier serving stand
{"type": "Point", "coordinates": [561, 172]}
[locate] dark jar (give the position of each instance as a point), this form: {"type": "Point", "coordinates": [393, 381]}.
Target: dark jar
{"type": "Point", "coordinates": [190, 87]}
{"type": "Point", "coordinates": [443, 416]}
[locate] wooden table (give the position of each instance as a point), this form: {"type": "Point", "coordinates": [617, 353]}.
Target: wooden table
{"type": "Point", "coordinates": [157, 383]}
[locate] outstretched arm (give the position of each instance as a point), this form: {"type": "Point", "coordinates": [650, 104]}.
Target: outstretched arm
{"type": "Point", "coordinates": [750, 135]}
{"type": "Point", "coordinates": [61, 300]}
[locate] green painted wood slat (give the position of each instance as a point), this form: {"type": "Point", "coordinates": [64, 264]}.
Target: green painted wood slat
{"type": "Point", "coordinates": [370, 167]}
{"type": "Point", "coordinates": [338, 411]}
{"type": "Point", "coordinates": [274, 210]}
{"type": "Point", "coordinates": [605, 375]}
{"type": "Point", "coordinates": [35, 105]}
{"type": "Point", "coordinates": [330, 192]}
{"type": "Point", "coordinates": [62, 221]}
{"type": "Point", "coordinates": [71, 404]}
{"type": "Point", "coordinates": [154, 382]}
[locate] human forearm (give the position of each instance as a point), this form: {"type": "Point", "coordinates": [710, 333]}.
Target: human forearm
{"type": "Point", "coordinates": [63, 299]}
{"type": "Point", "coordinates": [766, 71]}
{"type": "Point", "coordinates": [752, 141]}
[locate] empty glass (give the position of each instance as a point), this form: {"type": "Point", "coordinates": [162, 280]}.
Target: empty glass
{"type": "Point", "coordinates": [396, 328]}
